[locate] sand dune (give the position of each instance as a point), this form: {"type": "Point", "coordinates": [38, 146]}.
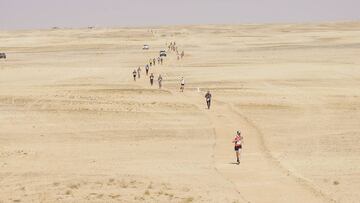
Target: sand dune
{"type": "Point", "coordinates": [76, 128]}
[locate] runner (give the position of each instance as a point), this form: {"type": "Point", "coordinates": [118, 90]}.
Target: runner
{"type": "Point", "coordinates": [160, 81]}
{"type": "Point", "coordinates": [182, 83]}
{"type": "Point", "coordinates": [158, 59]}
{"type": "Point", "coordinates": [154, 61]}
{"type": "Point", "coordinates": [150, 63]}
{"type": "Point", "coordinates": [138, 72]}
{"type": "Point", "coordinates": [147, 69]}
{"type": "Point", "coordinates": [161, 60]}
{"type": "Point", "coordinates": [134, 74]}
{"type": "Point", "coordinates": [208, 99]}
{"type": "Point", "coordinates": [238, 140]}
{"type": "Point", "coordinates": [151, 79]}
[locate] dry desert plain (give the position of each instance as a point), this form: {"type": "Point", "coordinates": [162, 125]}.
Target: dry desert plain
{"type": "Point", "coordinates": [74, 127]}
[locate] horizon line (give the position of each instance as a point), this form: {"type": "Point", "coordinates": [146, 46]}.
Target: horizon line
{"type": "Point", "coordinates": [179, 25]}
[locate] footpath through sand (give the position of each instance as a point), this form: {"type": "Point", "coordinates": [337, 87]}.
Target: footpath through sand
{"type": "Point", "coordinates": [259, 177]}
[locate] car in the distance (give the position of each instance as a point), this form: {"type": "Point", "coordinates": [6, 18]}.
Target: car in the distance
{"type": "Point", "coordinates": [162, 53]}
{"type": "Point", "coordinates": [146, 47]}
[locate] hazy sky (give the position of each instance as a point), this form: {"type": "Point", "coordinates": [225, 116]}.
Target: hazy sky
{"type": "Point", "coordinates": [24, 14]}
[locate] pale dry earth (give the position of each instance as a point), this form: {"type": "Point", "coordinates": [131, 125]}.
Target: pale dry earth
{"type": "Point", "coordinates": [74, 127]}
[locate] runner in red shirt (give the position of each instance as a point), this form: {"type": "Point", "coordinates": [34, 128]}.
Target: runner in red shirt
{"type": "Point", "coordinates": [238, 141]}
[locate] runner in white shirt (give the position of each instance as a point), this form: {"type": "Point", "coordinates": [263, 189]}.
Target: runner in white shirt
{"type": "Point", "coordinates": [182, 84]}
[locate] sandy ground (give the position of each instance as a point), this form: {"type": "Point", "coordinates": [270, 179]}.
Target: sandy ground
{"type": "Point", "coordinates": [74, 127]}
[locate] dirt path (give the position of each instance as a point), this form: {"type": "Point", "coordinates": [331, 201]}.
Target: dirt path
{"type": "Point", "coordinates": [259, 177]}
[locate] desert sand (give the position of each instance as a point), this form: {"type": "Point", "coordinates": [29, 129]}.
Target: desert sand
{"type": "Point", "coordinates": [74, 127]}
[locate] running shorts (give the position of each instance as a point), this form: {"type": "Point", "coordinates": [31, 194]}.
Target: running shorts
{"type": "Point", "coordinates": [237, 147]}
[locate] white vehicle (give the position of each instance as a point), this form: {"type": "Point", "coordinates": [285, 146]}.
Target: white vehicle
{"type": "Point", "coordinates": [162, 53]}
{"type": "Point", "coordinates": [146, 47]}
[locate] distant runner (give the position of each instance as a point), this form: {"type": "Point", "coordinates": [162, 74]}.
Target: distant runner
{"type": "Point", "coordinates": [161, 60]}
{"type": "Point", "coordinates": [182, 83]}
{"type": "Point", "coordinates": [154, 61]}
{"type": "Point", "coordinates": [208, 99]}
{"type": "Point", "coordinates": [134, 74]}
{"type": "Point", "coordinates": [151, 79]}
{"type": "Point", "coordinates": [160, 81]}
{"type": "Point", "coordinates": [138, 72]}
{"type": "Point", "coordinates": [238, 140]}
{"type": "Point", "coordinates": [147, 69]}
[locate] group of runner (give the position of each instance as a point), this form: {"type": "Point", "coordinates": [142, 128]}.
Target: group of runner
{"type": "Point", "coordinates": [238, 140]}
{"type": "Point", "coordinates": [172, 47]}
{"type": "Point", "coordinates": [152, 62]}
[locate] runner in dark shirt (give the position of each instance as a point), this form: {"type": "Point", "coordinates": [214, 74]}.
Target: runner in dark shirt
{"type": "Point", "coordinates": [147, 69]}
{"type": "Point", "coordinates": [151, 79]}
{"type": "Point", "coordinates": [134, 75]}
{"type": "Point", "coordinates": [208, 99]}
